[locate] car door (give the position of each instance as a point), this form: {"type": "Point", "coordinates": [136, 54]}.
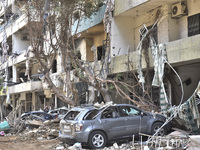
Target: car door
{"type": "Point", "coordinates": [134, 121]}
{"type": "Point", "coordinates": [112, 123]}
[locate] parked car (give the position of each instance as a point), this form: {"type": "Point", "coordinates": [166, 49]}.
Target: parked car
{"type": "Point", "coordinates": [38, 115]}
{"type": "Point", "coordinates": [96, 127]}
{"type": "Point", "coordinates": [60, 112]}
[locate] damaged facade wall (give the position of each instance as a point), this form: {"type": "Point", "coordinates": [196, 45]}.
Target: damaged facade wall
{"type": "Point", "coordinates": [125, 27]}
{"type": "Point", "coordinates": [89, 53]}
{"type": "Point", "coordinates": [125, 30]}
{"type": "Point", "coordinates": [19, 45]}
{"type": "Point", "coordinates": [84, 46]}
{"type": "Point", "coordinates": [81, 46]}
{"type": "Point", "coordinates": [98, 40]}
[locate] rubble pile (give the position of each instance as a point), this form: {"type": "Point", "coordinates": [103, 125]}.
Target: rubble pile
{"type": "Point", "coordinates": [46, 130]}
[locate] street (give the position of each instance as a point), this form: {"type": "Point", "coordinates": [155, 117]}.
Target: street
{"type": "Point", "coordinates": [18, 143]}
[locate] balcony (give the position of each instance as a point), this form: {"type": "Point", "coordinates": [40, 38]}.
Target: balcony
{"type": "Point", "coordinates": [181, 52]}
{"type": "Point", "coordinates": [16, 22]}
{"type": "Point", "coordinates": [8, 3]}
{"type": "Point", "coordinates": [15, 60]}
{"type": "Point", "coordinates": [26, 87]}
{"type": "Point", "coordinates": [94, 20]}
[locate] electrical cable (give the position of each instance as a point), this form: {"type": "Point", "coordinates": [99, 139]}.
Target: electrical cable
{"type": "Point", "coordinates": [176, 109]}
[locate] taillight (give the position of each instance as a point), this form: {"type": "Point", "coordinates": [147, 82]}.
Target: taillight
{"type": "Point", "coordinates": [78, 127]}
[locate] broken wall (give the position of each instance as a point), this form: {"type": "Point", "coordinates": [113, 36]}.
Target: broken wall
{"type": "Point", "coordinates": [19, 44]}
{"type": "Point", "coordinates": [125, 28]}
{"type": "Point", "coordinates": [81, 46]}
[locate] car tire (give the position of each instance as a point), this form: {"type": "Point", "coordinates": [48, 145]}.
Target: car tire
{"type": "Point", "coordinates": [97, 139]}
{"type": "Point", "coordinates": [155, 127]}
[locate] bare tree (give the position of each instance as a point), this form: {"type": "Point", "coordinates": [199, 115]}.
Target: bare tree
{"type": "Point", "coordinates": [53, 31]}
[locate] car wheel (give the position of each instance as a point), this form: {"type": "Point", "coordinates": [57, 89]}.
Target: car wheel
{"type": "Point", "coordinates": [97, 139]}
{"type": "Point", "coordinates": [155, 128]}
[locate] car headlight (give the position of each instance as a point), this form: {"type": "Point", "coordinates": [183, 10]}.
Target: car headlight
{"type": "Point", "coordinates": [78, 127]}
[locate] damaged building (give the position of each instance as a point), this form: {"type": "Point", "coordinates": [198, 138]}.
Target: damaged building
{"type": "Point", "coordinates": [124, 29]}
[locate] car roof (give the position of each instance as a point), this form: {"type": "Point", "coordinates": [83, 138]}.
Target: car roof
{"type": "Point", "coordinates": [90, 107]}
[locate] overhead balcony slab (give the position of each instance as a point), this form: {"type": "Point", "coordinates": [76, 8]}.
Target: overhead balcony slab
{"type": "Point", "coordinates": [15, 60]}
{"type": "Point", "coordinates": [180, 52]}
{"type": "Point", "coordinates": [13, 26]}
{"type": "Point", "coordinates": [88, 23]}
{"type": "Point", "coordinates": [26, 87]}
{"type": "Point", "coordinates": [138, 7]}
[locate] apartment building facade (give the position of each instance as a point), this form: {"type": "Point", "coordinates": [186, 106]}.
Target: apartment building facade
{"type": "Point", "coordinates": [176, 24]}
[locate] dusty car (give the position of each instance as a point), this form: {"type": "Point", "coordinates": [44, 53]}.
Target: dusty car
{"type": "Point", "coordinates": [38, 115]}
{"type": "Point", "coordinates": [60, 112]}
{"type": "Point", "coordinates": [96, 127]}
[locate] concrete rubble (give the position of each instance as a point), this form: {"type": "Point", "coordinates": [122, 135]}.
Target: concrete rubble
{"type": "Point", "coordinates": [47, 130]}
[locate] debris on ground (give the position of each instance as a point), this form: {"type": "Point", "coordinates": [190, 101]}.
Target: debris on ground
{"type": "Point", "coordinates": [32, 129]}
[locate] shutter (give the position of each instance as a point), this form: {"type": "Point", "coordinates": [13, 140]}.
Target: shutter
{"type": "Point", "coordinates": [193, 25]}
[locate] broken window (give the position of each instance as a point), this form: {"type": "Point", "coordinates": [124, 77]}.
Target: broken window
{"type": "Point", "coordinates": [129, 111]}
{"type": "Point", "coordinates": [110, 113]}
{"type": "Point", "coordinates": [100, 52]}
{"type": "Point", "coordinates": [54, 66]}
{"type": "Point", "coordinates": [22, 77]}
{"type": "Point", "coordinates": [10, 76]}
{"type": "Point", "coordinates": [153, 32]}
{"type": "Point", "coordinates": [72, 115]}
{"type": "Point", "coordinates": [91, 114]}
{"type": "Point", "coordinates": [193, 25]}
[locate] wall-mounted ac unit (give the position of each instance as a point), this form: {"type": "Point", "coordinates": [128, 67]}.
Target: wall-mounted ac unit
{"type": "Point", "coordinates": [179, 10]}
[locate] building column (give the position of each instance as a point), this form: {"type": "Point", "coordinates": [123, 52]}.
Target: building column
{"type": "Point", "coordinates": [14, 73]}
{"type": "Point", "coordinates": [33, 101]}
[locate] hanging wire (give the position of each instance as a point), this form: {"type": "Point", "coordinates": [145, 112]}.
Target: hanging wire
{"type": "Point", "coordinates": [176, 109]}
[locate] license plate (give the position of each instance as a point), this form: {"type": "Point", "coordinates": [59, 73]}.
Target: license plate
{"type": "Point", "coordinates": [66, 127]}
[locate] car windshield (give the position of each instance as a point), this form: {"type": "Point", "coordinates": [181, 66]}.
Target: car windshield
{"type": "Point", "coordinates": [71, 115]}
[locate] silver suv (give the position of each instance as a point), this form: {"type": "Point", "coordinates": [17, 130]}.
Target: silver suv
{"type": "Point", "coordinates": [97, 126]}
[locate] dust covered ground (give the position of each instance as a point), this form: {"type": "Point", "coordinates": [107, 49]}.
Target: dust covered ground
{"type": "Point", "coordinates": [17, 143]}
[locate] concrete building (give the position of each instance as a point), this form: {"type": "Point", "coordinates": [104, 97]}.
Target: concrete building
{"type": "Point", "coordinates": [34, 93]}
{"type": "Point", "coordinates": [31, 93]}
{"type": "Point", "coordinates": [176, 24]}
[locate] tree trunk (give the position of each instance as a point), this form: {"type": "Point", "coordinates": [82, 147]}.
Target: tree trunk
{"type": "Point", "coordinates": [57, 92]}
{"type": "Point", "coordinates": [105, 94]}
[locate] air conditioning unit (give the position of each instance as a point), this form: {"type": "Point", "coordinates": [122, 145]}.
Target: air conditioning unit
{"type": "Point", "coordinates": [179, 10]}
